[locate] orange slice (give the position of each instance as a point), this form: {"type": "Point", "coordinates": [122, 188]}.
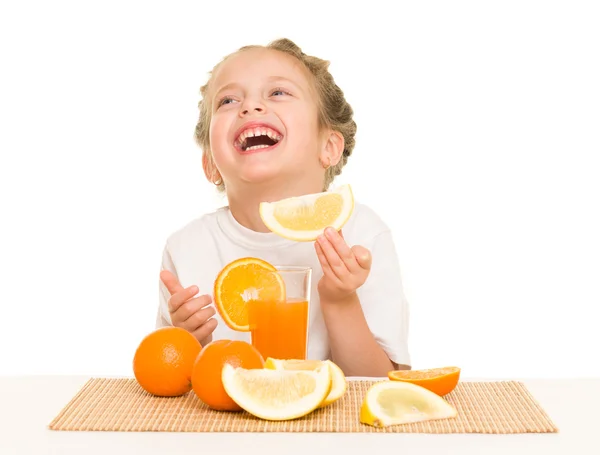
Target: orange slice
{"type": "Point", "coordinates": [389, 403]}
{"type": "Point", "coordinates": [338, 379]}
{"type": "Point", "coordinates": [304, 218]}
{"type": "Point", "coordinates": [243, 281]}
{"type": "Point", "coordinates": [277, 394]}
{"type": "Point", "coordinates": [438, 380]}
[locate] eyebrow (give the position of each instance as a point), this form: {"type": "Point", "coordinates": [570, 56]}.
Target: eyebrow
{"type": "Point", "coordinates": [226, 87]}
{"type": "Point", "coordinates": [270, 79]}
{"type": "Point", "coordinates": [285, 79]}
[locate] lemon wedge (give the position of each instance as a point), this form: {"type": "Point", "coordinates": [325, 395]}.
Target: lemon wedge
{"type": "Point", "coordinates": [394, 402]}
{"type": "Point", "coordinates": [277, 394]}
{"type": "Point", "coordinates": [304, 218]}
{"type": "Point", "coordinates": [338, 379]}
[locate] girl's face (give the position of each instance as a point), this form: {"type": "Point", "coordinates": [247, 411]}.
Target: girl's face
{"type": "Point", "coordinates": [264, 123]}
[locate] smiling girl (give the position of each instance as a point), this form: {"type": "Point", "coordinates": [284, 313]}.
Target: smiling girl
{"type": "Point", "coordinates": [273, 124]}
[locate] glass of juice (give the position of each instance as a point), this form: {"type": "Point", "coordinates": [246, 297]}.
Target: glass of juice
{"type": "Point", "coordinates": [279, 327]}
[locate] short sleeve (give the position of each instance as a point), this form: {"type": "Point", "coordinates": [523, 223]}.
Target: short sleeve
{"type": "Point", "coordinates": [383, 301]}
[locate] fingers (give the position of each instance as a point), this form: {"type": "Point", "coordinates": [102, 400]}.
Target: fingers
{"type": "Point", "coordinates": [179, 294]}
{"type": "Point", "coordinates": [338, 254]}
{"type": "Point", "coordinates": [190, 307]}
{"type": "Point", "coordinates": [330, 258]}
{"type": "Point", "coordinates": [192, 314]}
{"type": "Point", "coordinates": [198, 319]}
{"type": "Point", "coordinates": [345, 269]}
{"type": "Point", "coordinates": [181, 297]}
{"type": "Point", "coordinates": [205, 329]}
{"type": "Point", "coordinates": [327, 271]}
{"type": "Point", "coordinates": [342, 249]}
{"type": "Point", "coordinates": [363, 256]}
{"type": "Point", "coordinates": [171, 282]}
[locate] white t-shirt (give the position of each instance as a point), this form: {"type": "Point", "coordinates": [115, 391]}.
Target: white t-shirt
{"type": "Point", "coordinates": [199, 251]}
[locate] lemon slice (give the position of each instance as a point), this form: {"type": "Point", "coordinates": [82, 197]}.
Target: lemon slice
{"type": "Point", "coordinates": [338, 379]}
{"type": "Point", "coordinates": [276, 394]}
{"type": "Point", "coordinates": [394, 402]}
{"type": "Point", "coordinates": [304, 218]}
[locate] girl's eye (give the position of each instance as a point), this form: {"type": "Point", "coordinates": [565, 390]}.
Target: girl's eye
{"type": "Point", "coordinates": [225, 100]}
{"type": "Point", "coordinates": [279, 92]}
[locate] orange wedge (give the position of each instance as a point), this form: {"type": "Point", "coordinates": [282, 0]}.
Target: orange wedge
{"type": "Point", "coordinates": [438, 380]}
{"type": "Point", "coordinates": [304, 218]}
{"type": "Point", "coordinates": [389, 403]}
{"type": "Point", "coordinates": [242, 281]}
{"type": "Point", "coordinates": [338, 379]}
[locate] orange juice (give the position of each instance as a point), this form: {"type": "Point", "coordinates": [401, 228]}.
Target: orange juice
{"type": "Point", "coordinates": [279, 328]}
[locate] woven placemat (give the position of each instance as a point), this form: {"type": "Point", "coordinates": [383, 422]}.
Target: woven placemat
{"type": "Point", "coordinates": [121, 404]}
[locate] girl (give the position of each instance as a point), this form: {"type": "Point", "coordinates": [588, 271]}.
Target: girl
{"type": "Point", "coordinates": [358, 313]}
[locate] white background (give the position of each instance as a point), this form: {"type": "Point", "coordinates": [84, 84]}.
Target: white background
{"type": "Point", "coordinates": [478, 143]}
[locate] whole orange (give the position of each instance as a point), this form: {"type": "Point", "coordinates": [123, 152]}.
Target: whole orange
{"type": "Point", "coordinates": [206, 375]}
{"type": "Point", "coordinates": [164, 360]}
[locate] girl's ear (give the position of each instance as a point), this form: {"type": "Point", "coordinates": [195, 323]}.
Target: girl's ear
{"type": "Point", "coordinates": [210, 171]}
{"type": "Point", "coordinates": [333, 148]}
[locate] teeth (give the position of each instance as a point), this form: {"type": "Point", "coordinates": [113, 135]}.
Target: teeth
{"type": "Point", "coordinates": [261, 131]}
{"type": "Point", "coordinates": [256, 147]}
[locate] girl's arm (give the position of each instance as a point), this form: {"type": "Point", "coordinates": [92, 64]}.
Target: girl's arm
{"type": "Point", "coordinates": [353, 346]}
{"type": "Point", "coordinates": [359, 331]}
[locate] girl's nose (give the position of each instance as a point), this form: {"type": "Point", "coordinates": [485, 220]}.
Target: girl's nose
{"type": "Point", "coordinates": [252, 106]}
{"type": "Point", "coordinates": [257, 109]}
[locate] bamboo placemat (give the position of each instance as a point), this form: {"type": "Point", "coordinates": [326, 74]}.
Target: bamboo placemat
{"type": "Point", "coordinates": [121, 404]}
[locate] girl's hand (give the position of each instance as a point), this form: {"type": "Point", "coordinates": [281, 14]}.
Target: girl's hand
{"type": "Point", "coordinates": [345, 269]}
{"type": "Point", "coordinates": [191, 314]}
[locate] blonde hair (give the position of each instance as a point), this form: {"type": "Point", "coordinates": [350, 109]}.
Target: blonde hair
{"type": "Point", "coordinates": [334, 111]}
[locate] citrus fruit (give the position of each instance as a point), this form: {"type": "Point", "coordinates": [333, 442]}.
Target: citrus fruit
{"type": "Point", "coordinates": [304, 218]}
{"type": "Point", "coordinates": [439, 380]}
{"type": "Point", "coordinates": [277, 394]}
{"type": "Point", "coordinates": [395, 402]}
{"type": "Point", "coordinates": [206, 373]}
{"type": "Point", "coordinates": [241, 281]}
{"type": "Point", "coordinates": [163, 361]}
{"type": "Point", "coordinates": [338, 379]}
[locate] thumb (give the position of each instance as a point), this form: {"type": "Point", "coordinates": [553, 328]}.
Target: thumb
{"type": "Point", "coordinates": [171, 282]}
{"type": "Point", "coordinates": [363, 256]}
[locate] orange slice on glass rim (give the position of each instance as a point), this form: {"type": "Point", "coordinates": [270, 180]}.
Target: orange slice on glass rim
{"type": "Point", "coordinates": [438, 380]}
{"type": "Point", "coordinates": [241, 282]}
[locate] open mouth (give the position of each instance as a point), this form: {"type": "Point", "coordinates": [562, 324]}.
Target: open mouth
{"type": "Point", "coordinates": [260, 137]}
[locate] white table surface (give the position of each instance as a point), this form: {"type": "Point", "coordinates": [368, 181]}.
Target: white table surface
{"type": "Point", "coordinates": [29, 403]}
